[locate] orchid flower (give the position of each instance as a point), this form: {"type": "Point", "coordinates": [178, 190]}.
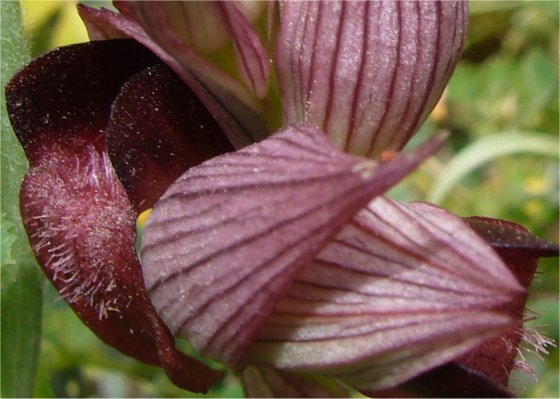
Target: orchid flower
{"type": "Point", "coordinates": [271, 249]}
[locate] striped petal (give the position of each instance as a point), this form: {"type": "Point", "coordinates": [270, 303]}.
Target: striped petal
{"type": "Point", "coordinates": [252, 58]}
{"type": "Point", "coordinates": [401, 289]}
{"type": "Point", "coordinates": [206, 27]}
{"type": "Point", "coordinates": [484, 372]}
{"type": "Point", "coordinates": [367, 73]}
{"type": "Point", "coordinates": [267, 382]}
{"type": "Point", "coordinates": [228, 236]}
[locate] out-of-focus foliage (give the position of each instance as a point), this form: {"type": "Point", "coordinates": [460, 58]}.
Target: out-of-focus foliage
{"type": "Point", "coordinates": [21, 279]}
{"type": "Point", "coordinates": [507, 83]}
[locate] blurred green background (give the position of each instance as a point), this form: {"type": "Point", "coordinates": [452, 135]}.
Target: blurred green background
{"type": "Point", "coordinates": [501, 160]}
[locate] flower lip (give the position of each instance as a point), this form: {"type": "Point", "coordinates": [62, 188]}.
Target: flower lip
{"type": "Point", "coordinates": [75, 211]}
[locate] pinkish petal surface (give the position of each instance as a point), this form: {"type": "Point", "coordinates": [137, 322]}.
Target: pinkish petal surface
{"type": "Point", "coordinates": [267, 382]}
{"type": "Point", "coordinates": [206, 27]}
{"type": "Point", "coordinates": [485, 371]}
{"type": "Point", "coordinates": [228, 100]}
{"type": "Point", "coordinates": [252, 57]}
{"type": "Point", "coordinates": [229, 235]}
{"type": "Point", "coordinates": [158, 129]}
{"type": "Point", "coordinates": [402, 288]}
{"type": "Point", "coordinates": [80, 223]}
{"type": "Point", "coordinates": [367, 73]}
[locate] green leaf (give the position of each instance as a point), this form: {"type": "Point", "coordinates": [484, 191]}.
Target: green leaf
{"type": "Point", "coordinates": [21, 281]}
{"type": "Point", "coordinates": [7, 241]}
{"type": "Point", "coordinates": [486, 149]}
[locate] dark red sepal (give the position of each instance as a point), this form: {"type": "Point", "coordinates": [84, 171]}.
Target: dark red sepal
{"type": "Point", "coordinates": [158, 129]}
{"type": "Point", "coordinates": [520, 250]}
{"type": "Point", "coordinates": [451, 380]}
{"type": "Point", "coordinates": [75, 210]}
{"type": "Point", "coordinates": [82, 229]}
{"type": "Point", "coordinates": [505, 236]}
{"type": "Point", "coordinates": [71, 89]}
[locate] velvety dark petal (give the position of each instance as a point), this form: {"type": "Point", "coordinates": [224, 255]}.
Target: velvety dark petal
{"type": "Point", "coordinates": [80, 223]}
{"type": "Point", "coordinates": [505, 236]}
{"type": "Point", "coordinates": [158, 129]}
{"type": "Point", "coordinates": [399, 290]}
{"type": "Point", "coordinates": [71, 96]}
{"type": "Point", "coordinates": [267, 382]}
{"type": "Point", "coordinates": [520, 250]}
{"type": "Point", "coordinates": [451, 380]}
{"type": "Point", "coordinates": [367, 72]}
{"type": "Point", "coordinates": [226, 238]}
{"type": "Point", "coordinates": [232, 105]}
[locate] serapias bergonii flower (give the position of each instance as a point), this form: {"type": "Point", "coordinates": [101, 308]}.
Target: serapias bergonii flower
{"type": "Point", "coordinates": [282, 255]}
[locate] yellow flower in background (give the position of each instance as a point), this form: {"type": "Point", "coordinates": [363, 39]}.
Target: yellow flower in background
{"type": "Point", "coordinates": [534, 208]}
{"type": "Point", "coordinates": [68, 28]}
{"type": "Point", "coordinates": [536, 185]}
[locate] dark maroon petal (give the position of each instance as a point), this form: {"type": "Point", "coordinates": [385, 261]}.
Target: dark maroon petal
{"type": "Point", "coordinates": [226, 238]}
{"type": "Point", "coordinates": [80, 223]}
{"type": "Point", "coordinates": [158, 129]}
{"type": "Point", "coordinates": [231, 104]}
{"type": "Point", "coordinates": [367, 72]}
{"type": "Point", "coordinates": [402, 288]}
{"type": "Point", "coordinates": [451, 380]}
{"type": "Point", "coordinates": [267, 382]}
{"type": "Point", "coordinates": [520, 250]}
{"type": "Point", "coordinates": [71, 96]}
{"type": "Point", "coordinates": [505, 236]}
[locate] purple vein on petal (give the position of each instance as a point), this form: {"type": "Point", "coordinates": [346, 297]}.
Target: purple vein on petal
{"type": "Point", "coordinates": [252, 56]}
{"type": "Point", "coordinates": [432, 74]}
{"type": "Point", "coordinates": [371, 72]}
{"type": "Point", "coordinates": [359, 82]}
{"type": "Point", "coordinates": [390, 101]}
